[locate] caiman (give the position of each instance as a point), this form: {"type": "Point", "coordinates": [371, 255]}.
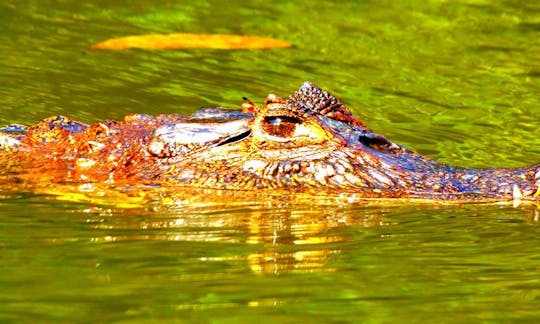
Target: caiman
{"type": "Point", "coordinates": [307, 143]}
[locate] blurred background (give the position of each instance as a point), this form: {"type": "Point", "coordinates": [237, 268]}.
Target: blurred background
{"type": "Point", "coordinates": [455, 80]}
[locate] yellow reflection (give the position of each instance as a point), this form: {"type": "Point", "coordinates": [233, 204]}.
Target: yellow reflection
{"type": "Point", "coordinates": [288, 233]}
{"type": "Point", "coordinates": [285, 238]}
{"type": "Point", "coordinates": [272, 302]}
{"type": "Point", "coordinates": [281, 262]}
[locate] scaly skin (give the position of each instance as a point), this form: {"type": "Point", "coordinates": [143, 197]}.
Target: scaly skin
{"type": "Point", "coordinates": [309, 142]}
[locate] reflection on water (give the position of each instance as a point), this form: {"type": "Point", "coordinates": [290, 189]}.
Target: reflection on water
{"type": "Point", "coordinates": [273, 237]}
{"type": "Point", "coordinates": [282, 255]}
{"type": "Point", "coordinates": [287, 239]}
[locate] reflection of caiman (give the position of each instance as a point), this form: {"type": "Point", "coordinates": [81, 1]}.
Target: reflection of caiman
{"type": "Point", "coordinates": [309, 142]}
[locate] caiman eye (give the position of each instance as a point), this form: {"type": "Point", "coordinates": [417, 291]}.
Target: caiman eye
{"type": "Point", "coordinates": [282, 126]}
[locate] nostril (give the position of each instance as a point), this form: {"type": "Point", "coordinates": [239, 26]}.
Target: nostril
{"type": "Point", "coordinates": [378, 142]}
{"type": "Point", "coordinates": [372, 140]}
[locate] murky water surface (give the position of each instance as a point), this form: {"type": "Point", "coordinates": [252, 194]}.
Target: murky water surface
{"type": "Point", "coordinates": [455, 80]}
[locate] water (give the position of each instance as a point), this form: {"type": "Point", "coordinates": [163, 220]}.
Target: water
{"type": "Point", "coordinates": [457, 81]}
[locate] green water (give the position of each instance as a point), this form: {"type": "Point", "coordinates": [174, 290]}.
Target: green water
{"type": "Point", "coordinates": [455, 80]}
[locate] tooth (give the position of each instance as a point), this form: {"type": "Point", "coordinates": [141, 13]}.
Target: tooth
{"type": "Point", "coordinates": [516, 192]}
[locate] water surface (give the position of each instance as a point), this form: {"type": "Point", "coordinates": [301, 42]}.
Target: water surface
{"type": "Point", "coordinates": [457, 81]}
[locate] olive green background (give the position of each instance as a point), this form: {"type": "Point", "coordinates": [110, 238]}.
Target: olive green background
{"type": "Point", "coordinates": [455, 80]}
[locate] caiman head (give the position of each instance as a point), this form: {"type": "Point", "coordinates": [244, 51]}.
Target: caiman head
{"type": "Point", "coordinates": [309, 141]}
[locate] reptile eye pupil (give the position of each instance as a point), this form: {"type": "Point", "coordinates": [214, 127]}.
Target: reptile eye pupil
{"type": "Point", "coordinates": [282, 126]}
{"type": "Point", "coordinates": [275, 121]}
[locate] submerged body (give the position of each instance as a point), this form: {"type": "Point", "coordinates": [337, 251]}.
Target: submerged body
{"type": "Point", "coordinates": [309, 142]}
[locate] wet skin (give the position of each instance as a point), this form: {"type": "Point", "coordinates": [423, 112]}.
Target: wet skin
{"type": "Point", "coordinates": [309, 142]}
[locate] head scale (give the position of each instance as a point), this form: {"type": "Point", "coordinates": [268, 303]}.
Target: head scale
{"type": "Point", "coordinates": [312, 98]}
